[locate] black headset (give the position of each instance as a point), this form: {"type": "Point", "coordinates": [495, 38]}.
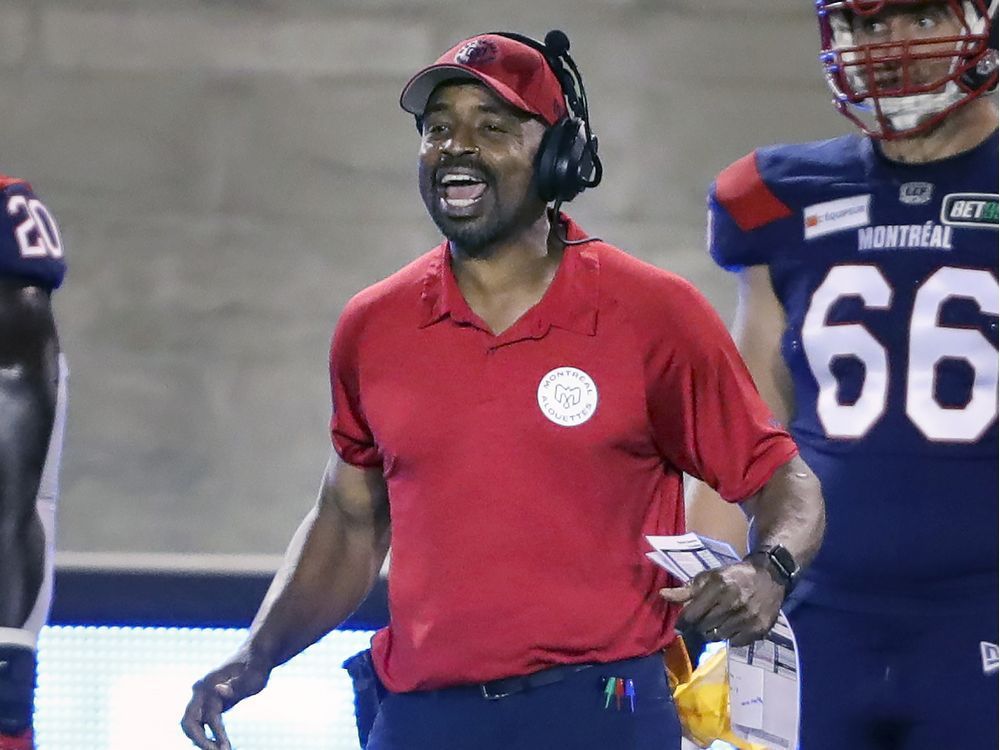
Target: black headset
{"type": "Point", "coordinates": [567, 161]}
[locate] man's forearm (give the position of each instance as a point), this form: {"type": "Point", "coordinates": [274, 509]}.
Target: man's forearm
{"type": "Point", "coordinates": [740, 602]}
{"type": "Point", "coordinates": [329, 568]}
{"type": "Point", "coordinates": [789, 511]}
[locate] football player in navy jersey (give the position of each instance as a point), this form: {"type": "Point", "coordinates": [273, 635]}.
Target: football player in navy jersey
{"type": "Point", "coordinates": [867, 313]}
{"type": "Point", "coordinates": [32, 410]}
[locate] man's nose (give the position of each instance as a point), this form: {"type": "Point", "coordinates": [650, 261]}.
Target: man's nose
{"type": "Point", "coordinates": [462, 141]}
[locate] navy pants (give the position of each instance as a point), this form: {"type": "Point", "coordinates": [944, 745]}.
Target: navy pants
{"type": "Point", "coordinates": [567, 715]}
{"type": "Point", "coordinates": [896, 682]}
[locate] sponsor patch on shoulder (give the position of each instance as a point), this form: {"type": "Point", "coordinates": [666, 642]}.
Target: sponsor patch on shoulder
{"type": "Point", "coordinates": [835, 216]}
{"type": "Point", "coordinates": [970, 210]}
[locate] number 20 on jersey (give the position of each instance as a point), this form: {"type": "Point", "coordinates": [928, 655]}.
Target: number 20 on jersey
{"type": "Point", "coordinates": [35, 229]}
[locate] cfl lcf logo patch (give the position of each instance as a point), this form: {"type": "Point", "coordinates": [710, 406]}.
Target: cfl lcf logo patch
{"type": "Point", "coordinates": [916, 193]}
{"type": "Point", "coordinates": [567, 396]}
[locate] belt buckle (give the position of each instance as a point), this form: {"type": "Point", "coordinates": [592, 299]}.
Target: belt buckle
{"type": "Point", "coordinates": [492, 696]}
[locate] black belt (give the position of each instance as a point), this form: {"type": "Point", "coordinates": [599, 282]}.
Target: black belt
{"type": "Point", "coordinates": [510, 685]}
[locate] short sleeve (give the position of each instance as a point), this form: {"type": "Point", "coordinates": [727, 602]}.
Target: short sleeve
{"type": "Point", "coordinates": [707, 416]}
{"type": "Point", "coordinates": [740, 206]}
{"type": "Point", "coordinates": [31, 247]}
{"type": "Point", "coordinates": [352, 437]}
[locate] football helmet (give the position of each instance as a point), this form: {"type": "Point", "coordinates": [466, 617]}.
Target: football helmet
{"type": "Point", "coordinates": [896, 88]}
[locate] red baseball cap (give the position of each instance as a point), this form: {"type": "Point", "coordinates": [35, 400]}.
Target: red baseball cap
{"type": "Point", "coordinates": [518, 73]}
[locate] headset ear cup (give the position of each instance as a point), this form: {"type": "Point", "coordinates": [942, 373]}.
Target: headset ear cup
{"type": "Point", "coordinates": [581, 162]}
{"type": "Point", "coordinates": [566, 160]}
{"type": "Point", "coordinates": [563, 161]}
{"type": "Point", "coordinates": [545, 170]}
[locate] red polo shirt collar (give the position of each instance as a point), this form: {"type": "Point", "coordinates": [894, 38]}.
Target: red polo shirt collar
{"type": "Point", "coordinates": [569, 303]}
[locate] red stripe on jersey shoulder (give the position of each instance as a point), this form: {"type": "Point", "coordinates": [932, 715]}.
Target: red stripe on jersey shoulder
{"type": "Point", "coordinates": [6, 182]}
{"type": "Point", "coordinates": [741, 190]}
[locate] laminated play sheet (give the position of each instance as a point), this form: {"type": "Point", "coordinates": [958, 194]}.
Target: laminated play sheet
{"type": "Point", "coordinates": [763, 676]}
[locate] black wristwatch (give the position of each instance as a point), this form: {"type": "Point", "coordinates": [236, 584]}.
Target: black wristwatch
{"type": "Point", "coordinates": [782, 564]}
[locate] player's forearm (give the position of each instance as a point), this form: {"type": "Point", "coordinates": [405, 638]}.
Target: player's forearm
{"type": "Point", "coordinates": [789, 511]}
{"type": "Point", "coordinates": [27, 403]}
{"type": "Point", "coordinates": [27, 409]}
{"type": "Point", "coordinates": [28, 348]}
{"type": "Point", "coordinates": [330, 566]}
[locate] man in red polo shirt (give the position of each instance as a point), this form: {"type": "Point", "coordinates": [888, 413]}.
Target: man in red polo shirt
{"type": "Point", "coordinates": [519, 406]}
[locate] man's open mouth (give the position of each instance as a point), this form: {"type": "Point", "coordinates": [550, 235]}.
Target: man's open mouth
{"type": "Point", "coordinates": [460, 188]}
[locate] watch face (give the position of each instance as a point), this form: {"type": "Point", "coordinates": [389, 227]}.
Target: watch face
{"type": "Point", "coordinates": [784, 560]}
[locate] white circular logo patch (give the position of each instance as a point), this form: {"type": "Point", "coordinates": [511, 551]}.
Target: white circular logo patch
{"type": "Point", "coordinates": [567, 396]}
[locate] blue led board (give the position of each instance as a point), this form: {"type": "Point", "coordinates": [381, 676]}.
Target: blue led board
{"type": "Point", "coordinates": [122, 688]}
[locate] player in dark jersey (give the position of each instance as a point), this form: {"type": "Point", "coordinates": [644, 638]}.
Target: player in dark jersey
{"type": "Point", "coordinates": [32, 410]}
{"type": "Point", "coordinates": [867, 312]}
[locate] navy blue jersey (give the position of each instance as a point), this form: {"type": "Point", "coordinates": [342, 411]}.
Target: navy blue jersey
{"type": "Point", "coordinates": [888, 278]}
{"type": "Point", "coordinates": [30, 244]}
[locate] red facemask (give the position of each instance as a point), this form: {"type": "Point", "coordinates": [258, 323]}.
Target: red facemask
{"type": "Point", "coordinates": [898, 86]}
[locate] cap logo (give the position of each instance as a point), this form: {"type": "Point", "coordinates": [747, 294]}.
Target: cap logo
{"type": "Point", "coordinates": [477, 52]}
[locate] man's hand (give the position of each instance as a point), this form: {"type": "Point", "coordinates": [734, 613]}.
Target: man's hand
{"type": "Point", "coordinates": [217, 692]}
{"type": "Point", "coordinates": [738, 603]}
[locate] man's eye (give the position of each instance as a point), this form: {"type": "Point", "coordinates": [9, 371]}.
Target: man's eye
{"type": "Point", "coordinates": [927, 22]}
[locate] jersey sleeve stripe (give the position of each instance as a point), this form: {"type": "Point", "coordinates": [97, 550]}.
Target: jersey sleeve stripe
{"type": "Point", "coordinates": [741, 190]}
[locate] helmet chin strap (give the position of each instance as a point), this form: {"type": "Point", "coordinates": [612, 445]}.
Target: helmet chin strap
{"type": "Point", "coordinates": [905, 112]}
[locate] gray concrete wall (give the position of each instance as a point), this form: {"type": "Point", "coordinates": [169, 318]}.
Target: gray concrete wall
{"type": "Point", "coordinates": [228, 173]}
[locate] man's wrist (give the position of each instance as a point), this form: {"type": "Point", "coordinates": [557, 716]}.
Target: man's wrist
{"type": "Point", "coordinates": [258, 656]}
{"type": "Point", "coordinates": [778, 562]}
